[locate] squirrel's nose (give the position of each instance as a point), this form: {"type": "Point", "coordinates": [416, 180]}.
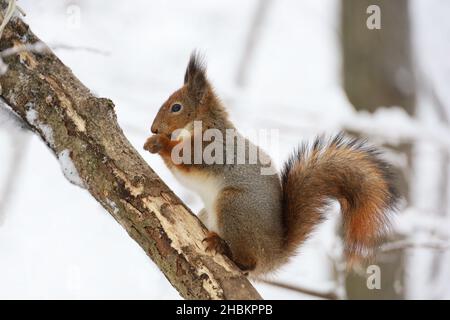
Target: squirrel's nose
{"type": "Point", "coordinates": [154, 129]}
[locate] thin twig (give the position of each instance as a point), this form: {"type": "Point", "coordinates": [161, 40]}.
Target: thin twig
{"type": "Point", "coordinates": [8, 15]}
{"type": "Point", "coordinates": [405, 244]}
{"type": "Point", "coordinates": [323, 295]}
{"type": "Point", "coordinates": [60, 46]}
{"type": "Point", "coordinates": [37, 47]}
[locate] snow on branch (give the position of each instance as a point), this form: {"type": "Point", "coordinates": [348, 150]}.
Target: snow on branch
{"type": "Point", "coordinates": [391, 125]}
{"type": "Point", "coordinates": [412, 244]}
{"type": "Point", "coordinates": [69, 169]}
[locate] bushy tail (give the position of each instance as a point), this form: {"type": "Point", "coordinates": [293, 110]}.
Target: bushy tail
{"type": "Point", "coordinates": [346, 170]}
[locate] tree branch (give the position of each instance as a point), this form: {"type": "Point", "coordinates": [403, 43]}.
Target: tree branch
{"type": "Point", "coordinates": [83, 133]}
{"type": "Point", "coordinates": [310, 292]}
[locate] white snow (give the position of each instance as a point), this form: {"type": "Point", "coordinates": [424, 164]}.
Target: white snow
{"type": "Point", "coordinates": [32, 115]}
{"type": "Point", "coordinates": [112, 205]}
{"type": "Point", "coordinates": [33, 118]}
{"type": "Point", "coordinates": [69, 169]}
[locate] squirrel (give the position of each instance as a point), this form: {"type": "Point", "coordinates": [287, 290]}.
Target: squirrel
{"type": "Point", "coordinates": [260, 220]}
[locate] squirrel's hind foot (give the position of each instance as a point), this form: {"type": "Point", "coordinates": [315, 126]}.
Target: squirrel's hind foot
{"type": "Point", "coordinates": [215, 243]}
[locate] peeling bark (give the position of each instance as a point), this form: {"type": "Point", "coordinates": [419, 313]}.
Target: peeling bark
{"type": "Point", "coordinates": [68, 117]}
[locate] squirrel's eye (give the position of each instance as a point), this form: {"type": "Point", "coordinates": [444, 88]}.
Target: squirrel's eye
{"type": "Point", "coordinates": [176, 107]}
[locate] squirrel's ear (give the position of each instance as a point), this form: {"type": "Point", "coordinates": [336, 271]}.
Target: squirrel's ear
{"type": "Point", "coordinates": [195, 77]}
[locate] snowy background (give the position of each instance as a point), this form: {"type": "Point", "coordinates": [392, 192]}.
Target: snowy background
{"type": "Point", "coordinates": [135, 53]}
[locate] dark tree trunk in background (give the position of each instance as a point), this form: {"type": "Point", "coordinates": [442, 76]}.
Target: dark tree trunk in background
{"type": "Point", "coordinates": [377, 63]}
{"type": "Point", "coordinates": [378, 72]}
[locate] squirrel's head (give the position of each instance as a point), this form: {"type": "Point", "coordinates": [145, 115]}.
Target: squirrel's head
{"type": "Point", "coordinates": [194, 101]}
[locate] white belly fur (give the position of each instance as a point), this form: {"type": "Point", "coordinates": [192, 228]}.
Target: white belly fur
{"type": "Point", "coordinates": [208, 188]}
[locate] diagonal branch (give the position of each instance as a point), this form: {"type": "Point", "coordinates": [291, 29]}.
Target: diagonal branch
{"type": "Point", "coordinates": [83, 133]}
{"type": "Point", "coordinates": [323, 295]}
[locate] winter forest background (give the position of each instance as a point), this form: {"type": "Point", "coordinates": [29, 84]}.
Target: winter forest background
{"type": "Point", "coordinates": [302, 67]}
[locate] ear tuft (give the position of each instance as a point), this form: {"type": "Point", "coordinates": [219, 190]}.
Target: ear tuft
{"type": "Point", "coordinates": [196, 67]}
{"type": "Point", "coordinates": [195, 77]}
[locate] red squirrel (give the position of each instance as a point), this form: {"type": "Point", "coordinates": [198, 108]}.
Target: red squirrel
{"type": "Point", "coordinates": [259, 220]}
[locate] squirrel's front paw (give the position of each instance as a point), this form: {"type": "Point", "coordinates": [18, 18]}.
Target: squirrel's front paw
{"type": "Point", "coordinates": [215, 243]}
{"type": "Point", "coordinates": [154, 144]}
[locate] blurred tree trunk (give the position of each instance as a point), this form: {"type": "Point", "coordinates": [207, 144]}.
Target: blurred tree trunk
{"type": "Point", "coordinates": [378, 67]}
{"type": "Point", "coordinates": [262, 9]}
{"type": "Point", "coordinates": [378, 72]}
